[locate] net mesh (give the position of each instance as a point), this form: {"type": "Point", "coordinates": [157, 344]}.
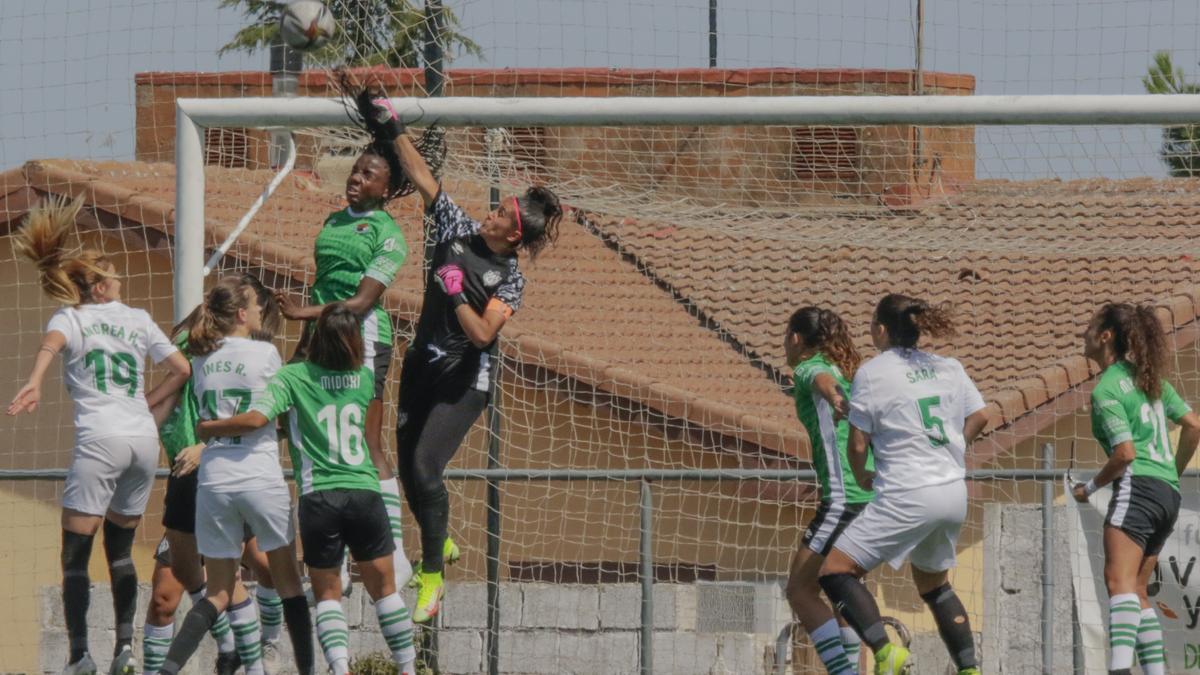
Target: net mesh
{"type": "Point", "coordinates": [651, 334]}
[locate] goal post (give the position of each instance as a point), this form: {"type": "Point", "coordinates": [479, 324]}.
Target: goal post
{"type": "Point", "coordinates": [195, 114]}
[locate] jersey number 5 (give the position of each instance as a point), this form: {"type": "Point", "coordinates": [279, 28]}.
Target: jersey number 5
{"type": "Point", "coordinates": [119, 368]}
{"type": "Point", "coordinates": [935, 429]}
{"type": "Point", "coordinates": [344, 433]}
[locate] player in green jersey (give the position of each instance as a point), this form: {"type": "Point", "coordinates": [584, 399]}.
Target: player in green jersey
{"type": "Point", "coordinates": [1131, 404]}
{"type": "Point", "coordinates": [358, 253]}
{"type": "Point", "coordinates": [822, 357]}
{"type": "Point", "coordinates": [326, 397]}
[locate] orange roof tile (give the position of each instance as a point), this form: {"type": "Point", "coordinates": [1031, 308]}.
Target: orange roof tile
{"type": "Point", "coordinates": [1026, 263]}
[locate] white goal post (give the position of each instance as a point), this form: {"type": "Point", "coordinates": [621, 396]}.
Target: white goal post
{"type": "Point", "coordinates": [194, 115]}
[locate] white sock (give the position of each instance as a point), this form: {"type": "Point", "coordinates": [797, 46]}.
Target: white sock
{"type": "Point", "coordinates": [827, 640]}
{"type": "Point", "coordinates": [345, 574]}
{"type": "Point", "coordinates": [270, 610]}
{"type": "Point", "coordinates": [1151, 652]}
{"type": "Point", "coordinates": [244, 620]}
{"type": "Point", "coordinates": [395, 622]}
{"type": "Point", "coordinates": [155, 642]}
{"type": "Point", "coordinates": [390, 489]}
{"type": "Point", "coordinates": [853, 645]}
{"type": "Point", "coordinates": [1124, 617]}
{"type": "Point", "coordinates": [334, 635]}
{"type": "Point", "coordinates": [220, 630]}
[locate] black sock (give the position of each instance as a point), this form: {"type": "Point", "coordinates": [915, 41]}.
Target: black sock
{"type": "Point", "coordinates": [953, 625]}
{"type": "Point", "coordinates": [852, 600]}
{"type": "Point", "coordinates": [196, 624]}
{"type": "Point", "coordinates": [76, 589]}
{"type": "Point", "coordinates": [118, 545]}
{"type": "Point", "coordinates": [300, 630]}
{"type": "Point", "coordinates": [433, 520]}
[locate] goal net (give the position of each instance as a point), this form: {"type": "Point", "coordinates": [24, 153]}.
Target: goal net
{"type": "Point", "coordinates": [651, 336]}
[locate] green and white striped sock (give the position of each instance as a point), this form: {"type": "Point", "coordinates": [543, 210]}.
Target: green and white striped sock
{"type": "Point", "coordinates": [243, 618]}
{"type": "Point", "coordinates": [395, 622]}
{"type": "Point", "coordinates": [852, 644]}
{"type": "Point", "coordinates": [1124, 617]}
{"type": "Point", "coordinates": [827, 640]}
{"type": "Point", "coordinates": [390, 490]}
{"type": "Point", "coordinates": [334, 635]}
{"type": "Point", "coordinates": [1150, 650]}
{"type": "Point", "coordinates": [270, 611]}
{"type": "Point", "coordinates": [155, 642]}
{"type": "Point", "coordinates": [220, 631]}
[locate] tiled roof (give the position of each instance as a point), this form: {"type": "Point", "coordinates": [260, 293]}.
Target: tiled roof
{"type": "Point", "coordinates": [588, 313]}
{"type": "Point", "coordinates": [633, 311]}
{"type": "Point", "coordinates": [1026, 263]}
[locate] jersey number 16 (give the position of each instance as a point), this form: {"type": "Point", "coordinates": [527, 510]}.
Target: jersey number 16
{"type": "Point", "coordinates": [344, 433]}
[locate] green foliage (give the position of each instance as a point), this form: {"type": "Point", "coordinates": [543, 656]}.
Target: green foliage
{"type": "Point", "coordinates": [379, 663]}
{"type": "Point", "coordinates": [376, 663]}
{"type": "Point", "coordinates": [370, 32]}
{"type": "Point", "coordinates": [1181, 144]}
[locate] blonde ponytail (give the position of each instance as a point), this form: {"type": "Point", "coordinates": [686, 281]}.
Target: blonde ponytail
{"type": "Point", "coordinates": [43, 239]}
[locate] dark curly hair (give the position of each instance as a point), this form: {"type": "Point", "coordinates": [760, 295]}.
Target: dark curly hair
{"type": "Point", "coordinates": [823, 330]}
{"type": "Point", "coordinates": [1138, 338]}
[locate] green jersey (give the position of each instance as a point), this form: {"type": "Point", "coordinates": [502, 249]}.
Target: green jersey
{"type": "Point", "coordinates": [1121, 412]}
{"type": "Point", "coordinates": [827, 437]}
{"type": "Point", "coordinates": [356, 245]}
{"type": "Point", "coordinates": [178, 431]}
{"type": "Point", "coordinates": [327, 413]}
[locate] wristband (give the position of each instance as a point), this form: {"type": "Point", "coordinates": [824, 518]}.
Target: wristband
{"type": "Point", "coordinates": [458, 299]}
{"type": "Point", "coordinates": [1090, 488]}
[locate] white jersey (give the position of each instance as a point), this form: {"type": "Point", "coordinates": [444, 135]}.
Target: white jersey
{"type": "Point", "coordinates": [913, 405]}
{"type": "Point", "coordinates": [224, 384]}
{"type": "Point", "coordinates": [104, 367]}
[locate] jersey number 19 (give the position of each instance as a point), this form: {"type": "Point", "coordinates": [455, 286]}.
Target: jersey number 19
{"type": "Point", "coordinates": [344, 433]}
{"type": "Point", "coordinates": [118, 367]}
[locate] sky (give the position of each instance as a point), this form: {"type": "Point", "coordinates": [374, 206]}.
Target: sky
{"type": "Point", "coordinates": [68, 65]}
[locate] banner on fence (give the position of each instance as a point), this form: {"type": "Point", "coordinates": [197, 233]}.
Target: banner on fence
{"type": "Point", "coordinates": [1174, 587]}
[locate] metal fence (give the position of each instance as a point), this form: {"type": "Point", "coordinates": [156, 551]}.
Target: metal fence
{"type": "Point", "coordinates": [1049, 477]}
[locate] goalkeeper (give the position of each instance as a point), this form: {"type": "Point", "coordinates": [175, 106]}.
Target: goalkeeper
{"type": "Point", "coordinates": [474, 285]}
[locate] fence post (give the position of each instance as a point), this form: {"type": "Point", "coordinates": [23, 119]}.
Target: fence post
{"type": "Point", "coordinates": [493, 462]}
{"type": "Point", "coordinates": [1048, 563]}
{"type": "Point", "coordinates": [646, 558]}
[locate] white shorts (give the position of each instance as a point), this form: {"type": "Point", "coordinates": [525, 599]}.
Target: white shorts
{"type": "Point", "coordinates": [222, 519]}
{"type": "Point", "coordinates": [111, 474]}
{"type": "Point", "coordinates": [920, 525]}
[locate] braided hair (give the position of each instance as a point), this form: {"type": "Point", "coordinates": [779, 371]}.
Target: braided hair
{"type": "Point", "coordinates": [431, 144]}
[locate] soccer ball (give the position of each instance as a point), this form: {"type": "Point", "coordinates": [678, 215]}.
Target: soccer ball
{"type": "Point", "coordinates": [306, 24]}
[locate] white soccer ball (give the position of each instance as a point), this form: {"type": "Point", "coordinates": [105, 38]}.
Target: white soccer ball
{"type": "Point", "coordinates": [306, 24]}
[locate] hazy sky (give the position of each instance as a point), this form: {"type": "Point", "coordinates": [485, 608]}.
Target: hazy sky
{"type": "Point", "coordinates": [68, 65]}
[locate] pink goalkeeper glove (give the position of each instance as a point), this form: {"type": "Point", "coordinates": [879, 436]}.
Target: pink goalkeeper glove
{"type": "Point", "coordinates": [450, 278]}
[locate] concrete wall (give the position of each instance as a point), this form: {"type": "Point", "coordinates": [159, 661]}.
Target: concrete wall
{"type": "Point", "coordinates": [1012, 618]}
{"type": "Point", "coordinates": [746, 166]}
{"type": "Point", "coordinates": [545, 628]}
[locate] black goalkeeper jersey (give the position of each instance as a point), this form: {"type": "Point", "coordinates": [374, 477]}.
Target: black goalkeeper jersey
{"type": "Point", "coordinates": [440, 343]}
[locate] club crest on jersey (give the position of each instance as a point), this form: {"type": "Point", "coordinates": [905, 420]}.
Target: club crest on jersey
{"type": "Point", "coordinates": [362, 228]}
{"type": "Point", "coordinates": [491, 278]}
